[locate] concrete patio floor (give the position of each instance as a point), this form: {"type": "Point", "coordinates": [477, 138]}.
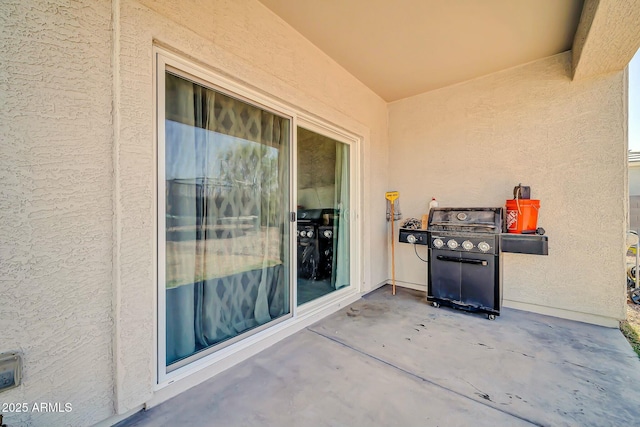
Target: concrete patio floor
{"type": "Point", "coordinates": [396, 361]}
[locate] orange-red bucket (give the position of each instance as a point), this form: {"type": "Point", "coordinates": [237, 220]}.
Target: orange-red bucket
{"type": "Point", "coordinates": [522, 215]}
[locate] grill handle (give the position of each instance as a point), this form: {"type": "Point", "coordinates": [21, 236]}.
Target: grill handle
{"type": "Point", "coordinates": [462, 260]}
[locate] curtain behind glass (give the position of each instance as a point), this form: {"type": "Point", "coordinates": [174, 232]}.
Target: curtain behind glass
{"type": "Point", "coordinates": [226, 166]}
{"type": "Point", "coordinates": [340, 272]}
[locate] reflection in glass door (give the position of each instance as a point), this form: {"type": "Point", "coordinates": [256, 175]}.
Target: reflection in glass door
{"type": "Point", "coordinates": [226, 225]}
{"type": "Point", "coordinates": [323, 213]}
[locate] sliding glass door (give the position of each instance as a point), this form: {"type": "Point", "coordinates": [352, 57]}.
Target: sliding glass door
{"type": "Point", "coordinates": [224, 195]}
{"type": "Point", "coordinates": [233, 259]}
{"type": "Point", "coordinates": [323, 229]}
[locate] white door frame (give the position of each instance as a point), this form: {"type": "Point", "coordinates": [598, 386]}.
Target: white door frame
{"type": "Point", "coordinates": [327, 129]}
{"type": "Point", "coordinates": [167, 382]}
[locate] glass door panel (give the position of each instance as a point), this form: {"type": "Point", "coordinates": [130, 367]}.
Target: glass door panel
{"type": "Point", "coordinates": [323, 215]}
{"type": "Point", "coordinates": [226, 225]}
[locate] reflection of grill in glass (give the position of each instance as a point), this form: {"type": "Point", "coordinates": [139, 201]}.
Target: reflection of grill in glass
{"type": "Point", "coordinates": [316, 238]}
{"type": "Point", "coordinates": [464, 269]}
{"type": "Point", "coordinates": [308, 254]}
{"type": "Point", "coordinates": [326, 241]}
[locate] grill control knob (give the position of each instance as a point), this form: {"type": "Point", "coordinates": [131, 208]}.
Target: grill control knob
{"type": "Point", "coordinates": [328, 234]}
{"type": "Point", "coordinates": [452, 244]}
{"type": "Point", "coordinates": [411, 238]}
{"type": "Point", "coordinates": [438, 243]}
{"type": "Point", "coordinates": [467, 245]}
{"type": "Point", "coordinates": [310, 233]}
{"type": "Point", "coordinates": [484, 246]}
{"type": "Point", "coordinates": [303, 233]}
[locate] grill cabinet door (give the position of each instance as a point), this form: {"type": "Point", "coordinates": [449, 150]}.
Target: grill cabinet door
{"type": "Point", "coordinates": [445, 274]}
{"type": "Point", "coordinates": [478, 287]}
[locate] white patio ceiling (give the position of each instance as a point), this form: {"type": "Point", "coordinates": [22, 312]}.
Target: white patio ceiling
{"type": "Point", "coordinates": [401, 48]}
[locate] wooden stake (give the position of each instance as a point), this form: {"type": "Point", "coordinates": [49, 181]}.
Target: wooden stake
{"type": "Point", "coordinates": [392, 196]}
{"type": "Point", "coordinates": [393, 254]}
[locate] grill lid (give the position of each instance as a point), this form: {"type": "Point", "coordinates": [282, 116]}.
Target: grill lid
{"type": "Point", "coordinates": [309, 215]}
{"type": "Point", "coordinates": [323, 216]}
{"type": "Point", "coordinates": [466, 220]}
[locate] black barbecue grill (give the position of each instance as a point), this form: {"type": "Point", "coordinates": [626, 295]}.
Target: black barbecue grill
{"type": "Point", "coordinates": [316, 241]}
{"type": "Point", "coordinates": [465, 268]}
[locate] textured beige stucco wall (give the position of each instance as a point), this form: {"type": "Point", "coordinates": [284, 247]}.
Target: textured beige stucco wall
{"type": "Point", "coordinates": [606, 38]}
{"type": "Point", "coordinates": [56, 207]}
{"type": "Point", "coordinates": [470, 144]}
{"type": "Point", "coordinates": [316, 172]}
{"type": "Point", "coordinates": [246, 41]}
{"type": "Point", "coordinates": [316, 160]}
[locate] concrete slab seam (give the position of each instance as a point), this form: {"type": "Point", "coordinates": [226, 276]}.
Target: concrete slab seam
{"type": "Point", "coordinates": [412, 374]}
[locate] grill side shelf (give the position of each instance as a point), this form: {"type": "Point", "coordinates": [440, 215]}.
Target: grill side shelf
{"type": "Point", "coordinates": [524, 244]}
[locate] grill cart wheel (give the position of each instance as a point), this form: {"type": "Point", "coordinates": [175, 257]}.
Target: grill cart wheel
{"type": "Point", "coordinates": [435, 304]}
{"type": "Point", "coordinates": [492, 317]}
{"type": "Point", "coordinates": [634, 295]}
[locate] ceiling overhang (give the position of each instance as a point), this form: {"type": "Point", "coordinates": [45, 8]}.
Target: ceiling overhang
{"type": "Point", "coordinates": [406, 47]}
{"type": "Point", "coordinates": [607, 38]}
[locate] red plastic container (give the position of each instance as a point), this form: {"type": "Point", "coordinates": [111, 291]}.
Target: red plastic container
{"type": "Point", "coordinates": [522, 215]}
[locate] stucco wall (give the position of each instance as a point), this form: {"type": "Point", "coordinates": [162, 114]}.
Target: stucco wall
{"type": "Point", "coordinates": [470, 144]}
{"type": "Point", "coordinates": [247, 42]}
{"type": "Point", "coordinates": [56, 207]}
